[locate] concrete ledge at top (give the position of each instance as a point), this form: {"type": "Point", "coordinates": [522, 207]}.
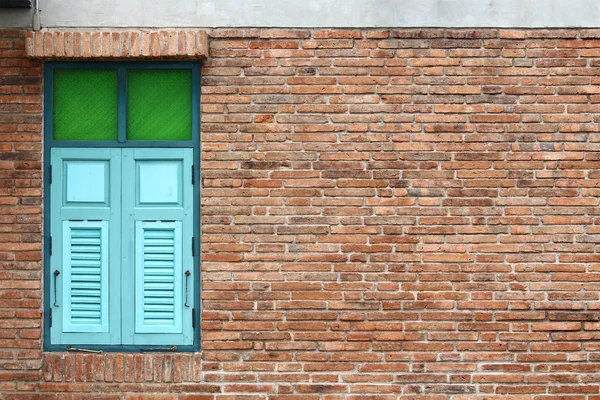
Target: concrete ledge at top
{"type": "Point", "coordinates": [311, 13]}
{"type": "Point", "coordinates": [180, 44]}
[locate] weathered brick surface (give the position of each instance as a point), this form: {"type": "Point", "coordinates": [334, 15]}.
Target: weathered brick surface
{"type": "Point", "coordinates": [386, 214]}
{"type": "Point", "coordinates": [117, 44]}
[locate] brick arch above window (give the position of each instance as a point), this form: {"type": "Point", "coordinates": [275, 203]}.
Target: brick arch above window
{"type": "Point", "coordinates": [175, 44]}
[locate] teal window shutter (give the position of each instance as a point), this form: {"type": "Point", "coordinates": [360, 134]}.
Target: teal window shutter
{"type": "Point", "coordinates": [86, 232]}
{"type": "Point", "coordinates": [157, 225]}
{"type": "Point", "coordinates": [119, 222]}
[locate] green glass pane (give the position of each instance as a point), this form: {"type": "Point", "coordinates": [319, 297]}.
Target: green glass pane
{"type": "Point", "coordinates": [84, 104]}
{"type": "Point", "coordinates": [159, 105]}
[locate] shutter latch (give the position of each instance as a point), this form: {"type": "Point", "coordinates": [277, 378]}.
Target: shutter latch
{"type": "Point", "coordinates": [71, 348]}
{"type": "Point", "coordinates": [172, 348]}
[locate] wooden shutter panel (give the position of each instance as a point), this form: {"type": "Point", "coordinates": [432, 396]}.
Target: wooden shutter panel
{"type": "Point", "coordinates": [122, 226]}
{"type": "Point", "coordinates": [85, 227]}
{"type": "Point", "coordinates": [158, 228]}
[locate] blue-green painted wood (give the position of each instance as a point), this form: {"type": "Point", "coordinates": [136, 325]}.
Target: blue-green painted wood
{"type": "Point", "coordinates": [158, 278]}
{"type": "Point", "coordinates": [130, 143]}
{"type": "Point", "coordinates": [122, 105]}
{"type": "Point", "coordinates": [158, 220]}
{"type": "Point", "coordinates": [52, 340]}
{"type": "Point", "coordinates": [197, 194]}
{"type": "Point", "coordinates": [85, 227]}
{"type": "Point", "coordinates": [85, 269]}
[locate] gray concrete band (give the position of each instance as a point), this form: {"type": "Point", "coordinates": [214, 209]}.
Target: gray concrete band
{"type": "Point", "coordinates": [309, 13]}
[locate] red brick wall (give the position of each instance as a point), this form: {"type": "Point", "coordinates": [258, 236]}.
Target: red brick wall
{"type": "Point", "coordinates": [20, 216]}
{"type": "Point", "coordinates": [385, 213]}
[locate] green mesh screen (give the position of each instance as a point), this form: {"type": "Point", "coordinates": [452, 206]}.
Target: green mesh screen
{"type": "Point", "coordinates": [84, 104]}
{"type": "Point", "coordinates": [159, 105]}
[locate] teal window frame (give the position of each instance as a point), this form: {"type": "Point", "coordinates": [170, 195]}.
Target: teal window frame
{"type": "Point", "coordinates": [121, 142]}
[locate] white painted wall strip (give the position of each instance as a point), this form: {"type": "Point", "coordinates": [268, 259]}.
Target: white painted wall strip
{"type": "Point", "coordinates": [310, 13]}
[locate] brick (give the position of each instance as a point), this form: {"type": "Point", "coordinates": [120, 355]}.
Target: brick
{"type": "Point", "coordinates": [394, 211]}
{"type": "Point", "coordinates": [164, 44]}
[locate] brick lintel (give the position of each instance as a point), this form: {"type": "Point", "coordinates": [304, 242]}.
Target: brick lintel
{"type": "Point", "coordinates": [164, 44]}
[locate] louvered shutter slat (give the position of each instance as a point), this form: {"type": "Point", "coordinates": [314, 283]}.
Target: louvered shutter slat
{"type": "Point", "coordinates": [86, 276]}
{"type": "Point", "coordinates": [158, 270]}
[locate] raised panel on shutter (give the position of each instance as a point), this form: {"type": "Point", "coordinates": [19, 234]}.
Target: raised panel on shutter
{"type": "Point", "coordinates": [85, 225]}
{"type": "Point", "coordinates": [157, 227]}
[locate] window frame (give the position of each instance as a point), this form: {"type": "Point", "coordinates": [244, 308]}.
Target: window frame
{"type": "Point", "coordinates": [121, 67]}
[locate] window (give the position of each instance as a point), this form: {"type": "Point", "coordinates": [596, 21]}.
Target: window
{"type": "Point", "coordinates": [121, 200]}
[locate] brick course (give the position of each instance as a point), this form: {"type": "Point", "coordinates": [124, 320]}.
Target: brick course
{"type": "Point", "coordinates": [117, 44]}
{"type": "Point", "coordinates": [386, 214]}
